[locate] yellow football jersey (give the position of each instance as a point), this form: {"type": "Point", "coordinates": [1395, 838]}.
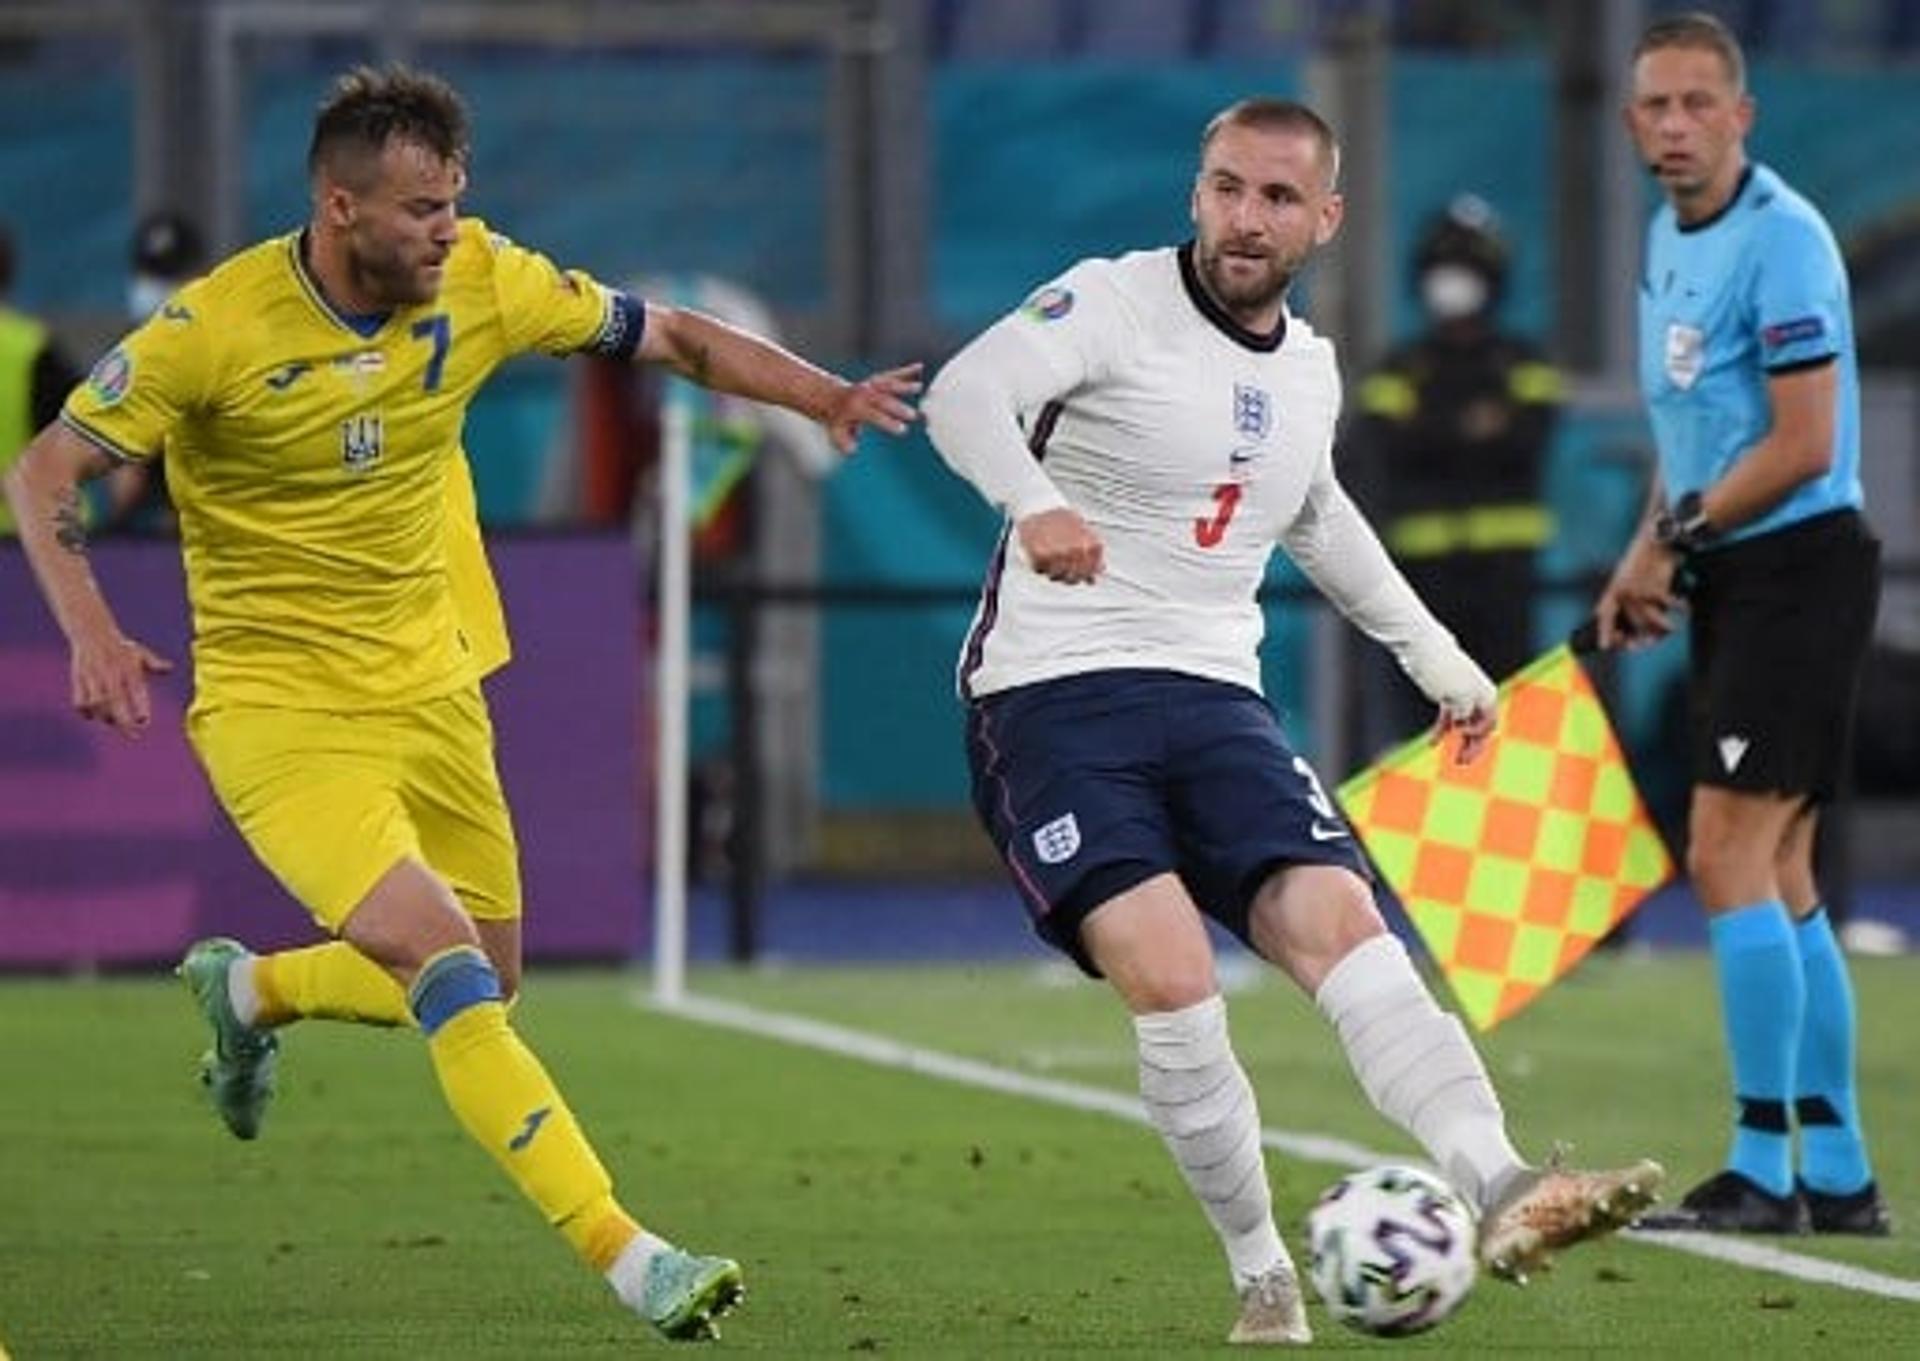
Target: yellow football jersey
{"type": "Point", "coordinates": [326, 511]}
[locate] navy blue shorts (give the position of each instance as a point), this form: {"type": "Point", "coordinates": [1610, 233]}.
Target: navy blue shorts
{"type": "Point", "coordinates": [1090, 785]}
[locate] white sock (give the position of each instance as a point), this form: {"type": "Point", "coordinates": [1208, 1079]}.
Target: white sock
{"type": "Point", "coordinates": [242, 995]}
{"type": "Point", "coordinates": [628, 1274]}
{"type": "Point", "coordinates": [1419, 1068]}
{"type": "Point", "coordinates": [1202, 1104]}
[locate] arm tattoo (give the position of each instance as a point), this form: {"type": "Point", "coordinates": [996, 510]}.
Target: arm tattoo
{"type": "Point", "coordinates": [68, 531]}
{"type": "Point", "coordinates": [700, 365]}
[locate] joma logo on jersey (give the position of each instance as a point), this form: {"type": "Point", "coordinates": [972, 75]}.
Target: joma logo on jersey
{"type": "Point", "coordinates": [360, 441]}
{"type": "Point", "coordinates": [1252, 411]}
{"type": "Point", "coordinates": [287, 375]}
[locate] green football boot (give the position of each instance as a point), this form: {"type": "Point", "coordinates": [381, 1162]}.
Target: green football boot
{"type": "Point", "coordinates": [238, 1070]}
{"type": "Point", "coordinates": [685, 1293]}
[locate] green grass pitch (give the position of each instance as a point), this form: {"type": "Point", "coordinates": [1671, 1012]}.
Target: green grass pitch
{"type": "Point", "coordinates": [875, 1210]}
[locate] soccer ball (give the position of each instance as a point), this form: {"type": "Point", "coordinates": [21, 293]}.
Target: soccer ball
{"type": "Point", "coordinates": [1391, 1250]}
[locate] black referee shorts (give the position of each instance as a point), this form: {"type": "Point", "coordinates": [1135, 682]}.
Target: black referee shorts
{"type": "Point", "coordinates": [1781, 625]}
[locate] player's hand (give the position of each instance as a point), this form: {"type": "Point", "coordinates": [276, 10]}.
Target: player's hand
{"type": "Point", "coordinates": [878, 400]}
{"type": "Point", "coordinates": [1464, 693]}
{"type": "Point", "coordinates": [1475, 726]}
{"type": "Point", "coordinates": [109, 677]}
{"type": "Point", "coordinates": [1060, 547]}
{"type": "Point", "coordinates": [1636, 609]}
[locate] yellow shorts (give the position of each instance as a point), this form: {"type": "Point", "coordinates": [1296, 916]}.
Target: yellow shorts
{"type": "Point", "coordinates": [331, 801]}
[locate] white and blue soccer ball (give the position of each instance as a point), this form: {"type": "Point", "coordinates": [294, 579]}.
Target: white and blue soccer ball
{"type": "Point", "coordinates": [1391, 1250]}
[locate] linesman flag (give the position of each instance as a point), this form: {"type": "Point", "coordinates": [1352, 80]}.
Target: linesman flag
{"type": "Point", "coordinates": [1513, 867]}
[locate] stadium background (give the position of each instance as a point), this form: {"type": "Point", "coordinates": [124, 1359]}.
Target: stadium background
{"type": "Point", "coordinates": [885, 176]}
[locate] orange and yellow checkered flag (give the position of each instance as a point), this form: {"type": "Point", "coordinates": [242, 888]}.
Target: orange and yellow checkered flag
{"type": "Point", "coordinates": [1513, 867]}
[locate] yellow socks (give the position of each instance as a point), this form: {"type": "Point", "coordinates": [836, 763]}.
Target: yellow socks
{"type": "Point", "coordinates": [332, 981]}
{"type": "Point", "coordinates": [600, 1233]}
{"type": "Point", "coordinates": [496, 1087]}
{"type": "Point", "coordinates": [508, 1104]}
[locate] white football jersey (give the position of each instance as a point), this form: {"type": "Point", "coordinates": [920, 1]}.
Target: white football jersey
{"type": "Point", "coordinates": [1188, 444]}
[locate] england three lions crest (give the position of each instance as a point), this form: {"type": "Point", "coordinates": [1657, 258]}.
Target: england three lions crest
{"type": "Point", "coordinates": [1252, 411]}
{"type": "Point", "coordinates": [1058, 841]}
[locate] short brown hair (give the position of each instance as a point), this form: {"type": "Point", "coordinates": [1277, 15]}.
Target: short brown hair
{"type": "Point", "coordinates": [368, 108]}
{"type": "Point", "coordinates": [1702, 32]}
{"type": "Point", "coordinates": [1272, 114]}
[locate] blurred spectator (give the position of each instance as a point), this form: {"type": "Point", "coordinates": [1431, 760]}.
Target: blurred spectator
{"type": "Point", "coordinates": [167, 252]}
{"type": "Point", "coordinates": [34, 374]}
{"type": "Point", "coordinates": [1448, 448]}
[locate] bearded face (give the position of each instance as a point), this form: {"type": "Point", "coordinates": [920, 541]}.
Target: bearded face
{"type": "Point", "coordinates": [398, 229]}
{"type": "Point", "coordinates": [1262, 204]}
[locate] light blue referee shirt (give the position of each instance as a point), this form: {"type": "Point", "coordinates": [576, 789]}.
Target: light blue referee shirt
{"type": "Point", "coordinates": [1758, 289]}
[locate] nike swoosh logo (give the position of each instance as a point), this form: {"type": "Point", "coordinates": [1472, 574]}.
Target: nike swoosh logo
{"type": "Point", "coordinates": [1321, 831]}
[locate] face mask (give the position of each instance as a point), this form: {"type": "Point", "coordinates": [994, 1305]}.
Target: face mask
{"type": "Point", "coordinates": [1451, 292]}
{"type": "Point", "coordinates": [145, 294]}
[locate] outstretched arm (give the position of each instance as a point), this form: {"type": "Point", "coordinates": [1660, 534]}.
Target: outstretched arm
{"type": "Point", "coordinates": [715, 355]}
{"type": "Point", "coordinates": [109, 670]}
{"type": "Point", "coordinates": [1338, 550]}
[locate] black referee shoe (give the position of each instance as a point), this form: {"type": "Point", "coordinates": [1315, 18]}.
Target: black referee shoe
{"type": "Point", "coordinates": [1730, 1202]}
{"type": "Point", "coordinates": [1860, 1212]}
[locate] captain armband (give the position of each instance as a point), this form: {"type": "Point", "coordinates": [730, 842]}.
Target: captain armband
{"type": "Point", "coordinates": [624, 322]}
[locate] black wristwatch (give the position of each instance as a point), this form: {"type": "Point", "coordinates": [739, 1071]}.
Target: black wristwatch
{"type": "Point", "coordinates": [1685, 527]}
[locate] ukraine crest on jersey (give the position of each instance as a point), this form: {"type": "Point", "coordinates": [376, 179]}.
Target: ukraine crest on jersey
{"type": "Point", "coordinates": [326, 510]}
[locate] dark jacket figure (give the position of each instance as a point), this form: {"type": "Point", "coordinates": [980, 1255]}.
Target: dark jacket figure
{"type": "Point", "coordinates": [1448, 448]}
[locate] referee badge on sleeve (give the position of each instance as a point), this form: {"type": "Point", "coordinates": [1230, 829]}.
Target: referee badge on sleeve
{"type": "Point", "coordinates": [1058, 841]}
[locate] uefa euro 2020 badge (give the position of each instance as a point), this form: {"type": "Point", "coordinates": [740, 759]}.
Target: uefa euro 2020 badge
{"type": "Point", "coordinates": [112, 376]}
{"type": "Point", "coordinates": [1049, 304]}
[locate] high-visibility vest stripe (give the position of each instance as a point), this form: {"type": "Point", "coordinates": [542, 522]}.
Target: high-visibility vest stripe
{"type": "Point", "coordinates": [1473, 529]}
{"type": "Point", "coordinates": [21, 340]}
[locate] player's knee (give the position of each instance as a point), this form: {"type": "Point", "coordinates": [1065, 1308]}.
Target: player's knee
{"type": "Point", "coordinates": [509, 977]}
{"type": "Point", "coordinates": [1715, 863]}
{"type": "Point", "coordinates": [452, 982]}
{"type": "Point", "coordinates": [1310, 917]}
{"type": "Point", "coordinates": [1173, 987]}
{"type": "Point", "coordinates": [407, 918]}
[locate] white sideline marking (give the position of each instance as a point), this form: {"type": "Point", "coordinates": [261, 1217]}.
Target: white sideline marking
{"type": "Point", "coordinates": [1319, 1148]}
{"type": "Point", "coordinates": [1748, 1253]}
{"type": "Point", "coordinates": [888, 1053]}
